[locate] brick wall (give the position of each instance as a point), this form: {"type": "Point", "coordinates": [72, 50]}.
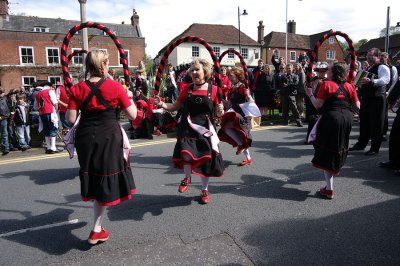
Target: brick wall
{"type": "Point", "coordinates": [11, 71]}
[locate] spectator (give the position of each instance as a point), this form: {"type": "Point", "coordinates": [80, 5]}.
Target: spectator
{"type": "Point", "coordinates": [287, 95]}
{"type": "Point", "coordinates": [301, 88]}
{"type": "Point", "coordinates": [22, 122]}
{"type": "Point", "coordinates": [264, 92]}
{"type": "Point", "coordinates": [4, 115]}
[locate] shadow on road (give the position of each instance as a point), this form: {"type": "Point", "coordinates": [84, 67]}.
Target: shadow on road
{"type": "Point", "coordinates": [53, 240]}
{"type": "Point", "coordinates": [46, 176]}
{"type": "Point", "coordinates": [364, 236]}
{"type": "Point", "coordinates": [139, 205]}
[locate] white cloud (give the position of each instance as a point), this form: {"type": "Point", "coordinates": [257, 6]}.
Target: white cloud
{"type": "Point", "coordinates": [162, 20]}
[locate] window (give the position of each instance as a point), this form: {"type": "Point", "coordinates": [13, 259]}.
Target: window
{"type": "Point", "coordinates": [256, 54]}
{"type": "Point", "coordinates": [331, 40]}
{"type": "Point", "coordinates": [26, 55]}
{"type": "Point", "coordinates": [195, 51]}
{"type": "Point", "coordinates": [245, 53]}
{"type": "Point", "coordinates": [40, 29]}
{"type": "Point", "coordinates": [292, 56]}
{"type": "Point", "coordinates": [54, 79]}
{"type": "Point", "coordinates": [27, 81]}
{"type": "Point", "coordinates": [126, 54]}
{"type": "Point", "coordinates": [53, 56]}
{"type": "Point", "coordinates": [276, 54]}
{"type": "Point", "coordinates": [330, 54]}
{"type": "Point", "coordinates": [78, 58]}
{"type": "Point", "coordinates": [231, 55]}
{"type": "Point", "coordinates": [217, 51]}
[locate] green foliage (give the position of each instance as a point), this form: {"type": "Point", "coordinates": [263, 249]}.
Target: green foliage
{"type": "Point", "coordinates": [392, 30]}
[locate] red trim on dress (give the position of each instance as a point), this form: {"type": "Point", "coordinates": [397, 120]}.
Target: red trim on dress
{"type": "Point", "coordinates": [111, 203]}
{"type": "Point", "coordinates": [234, 117]}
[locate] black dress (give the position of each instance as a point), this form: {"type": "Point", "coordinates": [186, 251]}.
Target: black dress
{"type": "Point", "coordinates": [206, 161]}
{"type": "Point", "coordinates": [104, 174]}
{"type": "Point", "coordinates": [333, 131]}
{"type": "Point", "coordinates": [241, 125]}
{"type": "Point", "coordinates": [264, 93]}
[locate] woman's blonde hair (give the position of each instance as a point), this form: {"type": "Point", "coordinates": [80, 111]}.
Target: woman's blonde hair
{"type": "Point", "coordinates": [94, 63]}
{"type": "Point", "coordinates": [207, 67]}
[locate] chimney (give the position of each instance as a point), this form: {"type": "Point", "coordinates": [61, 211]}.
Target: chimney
{"type": "Point", "coordinates": [4, 8]}
{"type": "Point", "coordinates": [135, 18]}
{"type": "Point", "coordinates": [260, 28]}
{"type": "Point", "coordinates": [291, 26]}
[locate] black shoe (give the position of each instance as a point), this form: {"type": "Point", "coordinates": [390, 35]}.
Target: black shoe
{"type": "Point", "coordinates": [387, 164]}
{"type": "Point", "coordinates": [371, 152]}
{"type": "Point", "coordinates": [6, 152]}
{"type": "Point", "coordinates": [58, 150]}
{"type": "Point", "coordinates": [299, 124]}
{"type": "Point", "coordinates": [356, 148]}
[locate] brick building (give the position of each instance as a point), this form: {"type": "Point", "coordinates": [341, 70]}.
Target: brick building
{"type": "Point", "coordinates": [30, 47]}
{"type": "Point", "coordinates": [329, 51]}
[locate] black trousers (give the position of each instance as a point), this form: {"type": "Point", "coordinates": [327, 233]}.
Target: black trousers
{"type": "Point", "coordinates": [372, 118]}
{"type": "Point", "coordinates": [394, 142]}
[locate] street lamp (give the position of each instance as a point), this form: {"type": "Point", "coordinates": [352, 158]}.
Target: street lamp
{"type": "Point", "coordinates": [243, 14]}
{"type": "Point", "coordinates": [286, 37]}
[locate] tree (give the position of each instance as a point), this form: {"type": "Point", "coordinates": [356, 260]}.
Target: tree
{"type": "Point", "coordinates": [392, 30]}
{"type": "Point", "coordinates": [360, 43]}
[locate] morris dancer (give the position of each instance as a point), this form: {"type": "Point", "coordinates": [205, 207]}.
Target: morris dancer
{"type": "Point", "coordinates": [335, 97]}
{"type": "Point", "coordinates": [101, 143]}
{"type": "Point", "coordinates": [196, 149]}
{"type": "Point", "coordinates": [235, 127]}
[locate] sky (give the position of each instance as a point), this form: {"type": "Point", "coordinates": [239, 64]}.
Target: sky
{"type": "Point", "coordinates": [162, 20]}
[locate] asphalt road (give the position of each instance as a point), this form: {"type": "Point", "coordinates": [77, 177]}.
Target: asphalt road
{"type": "Point", "coordinates": [264, 214]}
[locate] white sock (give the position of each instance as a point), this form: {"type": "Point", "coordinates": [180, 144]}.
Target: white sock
{"type": "Point", "coordinates": [53, 143]}
{"type": "Point", "coordinates": [187, 169]}
{"type": "Point", "coordinates": [48, 143]}
{"type": "Point", "coordinates": [246, 153]}
{"type": "Point", "coordinates": [98, 211]}
{"type": "Point", "coordinates": [329, 180]}
{"type": "Point", "coordinates": [232, 134]}
{"type": "Point", "coordinates": [204, 183]}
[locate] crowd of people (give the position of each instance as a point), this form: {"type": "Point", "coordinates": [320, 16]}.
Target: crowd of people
{"type": "Point", "coordinates": [193, 103]}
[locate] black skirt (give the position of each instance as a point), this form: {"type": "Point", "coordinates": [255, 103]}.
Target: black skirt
{"type": "Point", "coordinates": [205, 162]}
{"type": "Point", "coordinates": [332, 140]}
{"type": "Point", "coordinates": [104, 174]}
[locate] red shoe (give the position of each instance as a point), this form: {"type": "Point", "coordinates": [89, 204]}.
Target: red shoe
{"type": "Point", "coordinates": [96, 237]}
{"type": "Point", "coordinates": [204, 197]}
{"type": "Point", "coordinates": [157, 132]}
{"type": "Point", "coordinates": [184, 186]}
{"type": "Point", "coordinates": [246, 162]}
{"type": "Point", "coordinates": [327, 193]}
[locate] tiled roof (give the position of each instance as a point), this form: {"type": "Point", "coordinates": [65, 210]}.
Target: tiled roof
{"type": "Point", "coordinates": [295, 41]}
{"type": "Point", "coordinates": [316, 37]}
{"type": "Point", "coordinates": [394, 42]}
{"type": "Point", "coordinates": [215, 34]}
{"type": "Point", "coordinates": [58, 25]}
